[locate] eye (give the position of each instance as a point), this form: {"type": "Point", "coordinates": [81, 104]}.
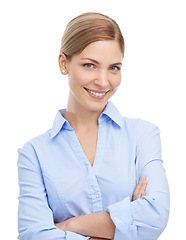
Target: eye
{"type": "Point", "coordinates": [115, 68]}
{"type": "Point", "coordinates": [88, 65]}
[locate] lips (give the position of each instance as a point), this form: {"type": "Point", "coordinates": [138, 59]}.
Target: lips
{"type": "Point", "coordinates": [96, 93]}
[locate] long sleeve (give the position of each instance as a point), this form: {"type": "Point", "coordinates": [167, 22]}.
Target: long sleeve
{"type": "Point", "coordinates": [146, 218]}
{"type": "Point", "coordinates": [35, 218]}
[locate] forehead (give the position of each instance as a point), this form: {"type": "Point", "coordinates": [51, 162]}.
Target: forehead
{"type": "Point", "coordinates": [102, 51]}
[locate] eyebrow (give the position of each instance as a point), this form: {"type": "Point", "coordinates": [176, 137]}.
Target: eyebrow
{"type": "Point", "coordinates": [95, 61]}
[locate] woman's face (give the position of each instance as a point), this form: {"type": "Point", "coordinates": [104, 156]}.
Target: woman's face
{"type": "Point", "coordinates": [94, 75]}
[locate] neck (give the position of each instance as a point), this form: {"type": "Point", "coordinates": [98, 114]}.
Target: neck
{"type": "Point", "coordinates": [81, 118]}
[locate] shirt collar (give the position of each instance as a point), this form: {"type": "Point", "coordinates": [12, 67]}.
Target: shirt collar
{"type": "Point", "coordinates": [110, 111]}
{"type": "Point", "coordinates": [58, 124]}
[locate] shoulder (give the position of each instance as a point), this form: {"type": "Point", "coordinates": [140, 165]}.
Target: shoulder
{"type": "Point", "coordinates": [145, 128]}
{"type": "Point", "coordinates": [40, 141]}
{"type": "Point", "coordinates": [139, 129]}
{"type": "Point", "coordinates": [138, 124]}
{"type": "Point", "coordinates": [128, 123]}
{"type": "Point", "coordinates": [134, 127]}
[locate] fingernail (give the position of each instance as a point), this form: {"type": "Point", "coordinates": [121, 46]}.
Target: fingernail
{"type": "Point", "coordinates": [142, 179]}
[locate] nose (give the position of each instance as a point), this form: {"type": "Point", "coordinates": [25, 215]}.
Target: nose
{"type": "Point", "coordinates": [102, 79]}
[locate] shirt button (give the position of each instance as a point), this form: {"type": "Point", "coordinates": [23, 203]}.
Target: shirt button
{"type": "Point", "coordinates": [96, 195]}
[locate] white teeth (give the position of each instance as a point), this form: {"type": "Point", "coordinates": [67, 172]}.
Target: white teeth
{"type": "Point", "coordinates": [96, 94]}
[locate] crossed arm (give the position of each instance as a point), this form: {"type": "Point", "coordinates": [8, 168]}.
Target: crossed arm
{"type": "Point", "coordinates": [98, 225]}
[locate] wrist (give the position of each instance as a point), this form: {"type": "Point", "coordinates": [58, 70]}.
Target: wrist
{"type": "Point", "coordinates": [64, 226]}
{"type": "Point", "coordinates": [71, 224]}
{"type": "Point", "coordinates": [68, 224]}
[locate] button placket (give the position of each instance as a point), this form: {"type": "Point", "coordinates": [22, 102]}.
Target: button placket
{"type": "Point", "coordinates": [95, 192]}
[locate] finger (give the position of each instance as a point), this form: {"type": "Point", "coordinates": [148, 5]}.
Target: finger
{"type": "Point", "coordinates": [137, 190]}
{"type": "Point", "coordinates": [141, 185]}
{"type": "Point", "coordinates": [143, 189]}
{"type": "Point", "coordinates": [140, 188]}
{"type": "Point", "coordinates": [143, 193]}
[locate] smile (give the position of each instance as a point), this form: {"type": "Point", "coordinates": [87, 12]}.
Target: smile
{"type": "Point", "coordinates": [96, 93]}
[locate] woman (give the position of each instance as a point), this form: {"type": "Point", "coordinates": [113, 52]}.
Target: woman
{"type": "Point", "coordinates": [94, 174]}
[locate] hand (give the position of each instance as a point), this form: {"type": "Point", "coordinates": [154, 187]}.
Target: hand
{"type": "Point", "coordinates": [139, 191]}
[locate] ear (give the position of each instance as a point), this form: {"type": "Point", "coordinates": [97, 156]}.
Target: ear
{"type": "Point", "coordinates": [63, 63]}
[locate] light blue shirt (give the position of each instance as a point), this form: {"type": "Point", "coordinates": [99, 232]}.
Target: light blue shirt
{"type": "Point", "coordinates": [57, 181]}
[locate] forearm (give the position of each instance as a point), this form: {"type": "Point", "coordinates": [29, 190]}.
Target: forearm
{"type": "Point", "coordinates": [99, 239]}
{"type": "Point", "coordinates": [96, 225]}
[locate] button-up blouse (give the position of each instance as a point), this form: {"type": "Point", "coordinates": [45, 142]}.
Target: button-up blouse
{"type": "Point", "coordinates": [57, 181]}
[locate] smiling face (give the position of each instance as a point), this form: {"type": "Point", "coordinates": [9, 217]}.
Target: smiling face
{"type": "Point", "coordinates": [94, 75]}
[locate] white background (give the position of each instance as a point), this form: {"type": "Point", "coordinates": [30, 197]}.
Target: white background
{"type": "Point", "coordinates": [32, 88]}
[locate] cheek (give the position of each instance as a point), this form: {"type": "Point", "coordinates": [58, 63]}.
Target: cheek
{"type": "Point", "coordinates": [79, 77]}
{"type": "Point", "coordinates": [116, 81]}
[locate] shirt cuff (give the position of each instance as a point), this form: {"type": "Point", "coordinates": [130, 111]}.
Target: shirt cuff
{"type": "Point", "coordinates": [74, 236]}
{"type": "Point", "coordinates": [120, 213]}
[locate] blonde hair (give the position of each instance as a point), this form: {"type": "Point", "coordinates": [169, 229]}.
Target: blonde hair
{"type": "Point", "coordinates": [87, 28]}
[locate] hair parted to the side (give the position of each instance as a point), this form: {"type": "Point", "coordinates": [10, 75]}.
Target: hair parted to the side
{"type": "Point", "coordinates": [88, 28]}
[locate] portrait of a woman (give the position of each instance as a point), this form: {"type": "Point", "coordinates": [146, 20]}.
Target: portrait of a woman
{"type": "Point", "coordinates": [94, 174]}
